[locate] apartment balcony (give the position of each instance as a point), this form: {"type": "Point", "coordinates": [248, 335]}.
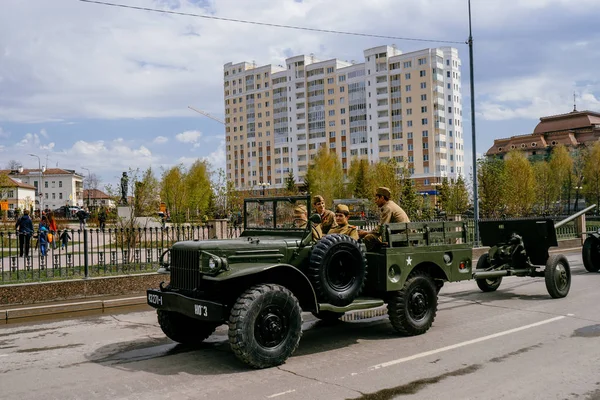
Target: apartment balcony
{"type": "Point", "coordinates": [396, 118]}
{"type": "Point", "coordinates": [396, 95]}
{"type": "Point", "coordinates": [440, 125]}
{"type": "Point", "coordinates": [301, 137]}
{"type": "Point", "coordinates": [316, 98]}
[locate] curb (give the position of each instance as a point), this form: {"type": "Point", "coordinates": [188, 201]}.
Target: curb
{"type": "Point", "coordinates": [94, 305]}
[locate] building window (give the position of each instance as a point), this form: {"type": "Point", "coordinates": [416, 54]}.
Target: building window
{"type": "Point", "coordinates": [46, 184]}
{"type": "Point", "coordinates": [424, 121]}
{"type": "Point", "coordinates": [423, 85]}
{"type": "Point", "coordinates": [59, 184]}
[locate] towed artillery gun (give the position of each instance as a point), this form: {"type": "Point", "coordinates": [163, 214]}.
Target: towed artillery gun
{"type": "Point", "coordinates": [520, 247]}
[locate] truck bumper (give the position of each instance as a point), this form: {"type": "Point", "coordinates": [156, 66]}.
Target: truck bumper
{"type": "Point", "coordinates": [203, 310]}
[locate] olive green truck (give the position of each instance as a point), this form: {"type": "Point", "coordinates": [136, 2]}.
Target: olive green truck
{"type": "Point", "coordinates": [260, 283]}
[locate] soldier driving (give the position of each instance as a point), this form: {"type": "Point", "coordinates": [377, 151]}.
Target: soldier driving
{"type": "Point", "coordinates": [341, 218]}
{"type": "Point", "coordinates": [327, 216]}
{"type": "Point", "coordinates": [301, 220]}
{"type": "Point", "coordinates": [390, 213]}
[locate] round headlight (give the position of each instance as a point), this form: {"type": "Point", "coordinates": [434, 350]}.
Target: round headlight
{"type": "Point", "coordinates": [212, 263]}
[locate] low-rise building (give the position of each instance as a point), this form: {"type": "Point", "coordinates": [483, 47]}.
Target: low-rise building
{"type": "Point", "coordinates": [15, 194]}
{"type": "Point", "coordinates": [94, 198]}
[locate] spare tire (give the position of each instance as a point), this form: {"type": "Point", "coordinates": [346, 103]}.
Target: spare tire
{"type": "Point", "coordinates": [338, 269]}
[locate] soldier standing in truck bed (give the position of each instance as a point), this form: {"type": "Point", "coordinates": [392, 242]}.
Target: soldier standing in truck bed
{"type": "Point", "coordinates": [390, 213]}
{"type": "Point", "coordinates": [327, 216]}
{"type": "Point", "coordinates": [341, 218]}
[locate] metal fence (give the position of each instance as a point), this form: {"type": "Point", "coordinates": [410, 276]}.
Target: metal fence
{"type": "Point", "coordinates": [90, 252]}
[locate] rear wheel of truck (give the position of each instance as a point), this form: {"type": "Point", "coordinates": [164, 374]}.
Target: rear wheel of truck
{"type": "Point", "coordinates": [591, 254]}
{"type": "Point", "coordinates": [558, 276]}
{"type": "Point", "coordinates": [413, 309]}
{"type": "Point", "coordinates": [486, 285]}
{"type": "Point", "coordinates": [183, 329]}
{"type": "Point", "coordinates": [265, 326]}
{"type": "Point", "coordinates": [338, 269]}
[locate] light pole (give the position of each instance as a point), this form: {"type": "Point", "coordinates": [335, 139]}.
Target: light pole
{"type": "Point", "coordinates": [264, 185]}
{"type": "Point", "coordinates": [88, 189]}
{"type": "Point", "coordinates": [40, 194]}
{"type": "Point", "coordinates": [473, 136]}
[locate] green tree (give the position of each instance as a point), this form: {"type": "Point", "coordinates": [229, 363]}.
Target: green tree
{"type": "Point", "coordinates": [388, 174]}
{"type": "Point", "coordinates": [546, 187]}
{"type": "Point", "coordinates": [325, 176]}
{"type": "Point", "coordinates": [198, 187]}
{"type": "Point", "coordinates": [491, 175]}
{"type": "Point", "coordinates": [173, 192]}
{"type": "Point", "coordinates": [520, 185]}
{"type": "Point", "coordinates": [410, 200]}
{"type": "Point", "coordinates": [561, 166]}
{"type": "Point", "coordinates": [146, 195]}
{"type": "Point", "coordinates": [358, 175]}
{"type": "Point", "coordinates": [591, 175]}
{"type": "Point", "coordinates": [444, 194]}
{"type": "Point", "coordinates": [290, 183]}
{"type": "Point", "coordinates": [458, 197]}
{"type": "Point", "coordinates": [578, 157]}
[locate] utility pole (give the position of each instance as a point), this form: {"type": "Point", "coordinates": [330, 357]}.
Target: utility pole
{"type": "Point", "coordinates": [40, 194]}
{"type": "Point", "coordinates": [473, 135]}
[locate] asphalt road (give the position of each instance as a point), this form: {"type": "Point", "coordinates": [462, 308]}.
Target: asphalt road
{"type": "Point", "coordinates": [516, 343]}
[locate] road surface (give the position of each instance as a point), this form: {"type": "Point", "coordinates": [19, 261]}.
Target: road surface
{"type": "Point", "coordinates": [516, 343]}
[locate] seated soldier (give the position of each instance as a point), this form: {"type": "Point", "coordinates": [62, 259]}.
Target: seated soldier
{"type": "Point", "coordinates": [301, 221]}
{"type": "Point", "coordinates": [341, 218]}
{"type": "Point", "coordinates": [327, 216]}
{"type": "Point", "coordinates": [390, 213]}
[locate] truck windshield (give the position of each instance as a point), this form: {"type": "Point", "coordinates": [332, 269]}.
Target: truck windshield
{"type": "Point", "coordinates": [283, 213]}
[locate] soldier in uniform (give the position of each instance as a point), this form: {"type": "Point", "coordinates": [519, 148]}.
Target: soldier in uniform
{"type": "Point", "coordinates": [327, 216]}
{"type": "Point", "coordinates": [390, 213]}
{"type": "Point", "coordinates": [341, 218]}
{"type": "Point", "coordinates": [301, 220]}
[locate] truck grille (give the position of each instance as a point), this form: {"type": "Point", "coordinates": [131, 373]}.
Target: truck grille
{"type": "Point", "coordinates": [185, 269]}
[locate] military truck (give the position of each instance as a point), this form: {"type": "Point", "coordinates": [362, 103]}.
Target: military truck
{"type": "Point", "coordinates": [260, 282]}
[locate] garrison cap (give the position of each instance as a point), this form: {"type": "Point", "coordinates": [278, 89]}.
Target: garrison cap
{"type": "Point", "coordinates": [342, 208]}
{"type": "Point", "coordinates": [300, 209]}
{"type": "Point", "coordinates": [318, 198]}
{"type": "Point", "coordinates": [383, 191]}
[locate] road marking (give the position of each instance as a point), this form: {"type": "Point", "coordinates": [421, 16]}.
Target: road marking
{"type": "Point", "coordinates": [462, 344]}
{"type": "Point", "coordinates": [281, 394]}
{"type": "Point", "coordinates": [3, 355]}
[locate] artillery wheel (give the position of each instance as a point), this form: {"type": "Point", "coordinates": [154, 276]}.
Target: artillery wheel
{"type": "Point", "coordinates": [487, 285]}
{"type": "Point", "coordinates": [413, 309]}
{"type": "Point", "coordinates": [328, 316]}
{"type": "Point", "coordinates": [338, 269]}
{"type": "Point", "coordinates": [265, 326]}
{"type": "Point", "coordinates": [591, 254]}
{"type": "Point", "coordinates": [183, 329]}
{"type": "Point", "coordinates": [558, 276]}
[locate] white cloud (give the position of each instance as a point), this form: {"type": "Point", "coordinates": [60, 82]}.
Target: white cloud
{"type": "Point", "coordinates": [160, 140]}
{"type": "Point", "coordinates": [189, 137]}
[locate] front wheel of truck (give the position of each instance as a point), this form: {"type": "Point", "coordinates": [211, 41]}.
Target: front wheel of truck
{"type": "Point", "coordinates": [265, 326]}
{"type": "Point", "coordinates": [413, 309]}
{"type": "Point", "coordinates": [183, 329]}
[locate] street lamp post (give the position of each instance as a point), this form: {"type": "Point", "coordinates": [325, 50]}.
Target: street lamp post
{"type": "Point", "coordinates": [264, 185]}
{"type": "Point", "coordinates": [40, 194]}
{"type": "Point", "coordinates": [88, 193]}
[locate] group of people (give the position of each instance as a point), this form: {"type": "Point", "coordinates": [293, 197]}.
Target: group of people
{"type": "Point", "coordinates": [47, 233]}
{"type": "Point", "coordinates": [337, 222]}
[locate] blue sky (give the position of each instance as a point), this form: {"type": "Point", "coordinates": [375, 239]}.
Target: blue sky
{"type": "Point", "coordinates": [84, 85]}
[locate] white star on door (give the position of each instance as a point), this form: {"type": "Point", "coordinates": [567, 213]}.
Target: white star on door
{"type": "Point", "coordinates": [409, 261]}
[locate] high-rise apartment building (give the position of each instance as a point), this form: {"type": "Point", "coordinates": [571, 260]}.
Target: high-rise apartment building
{"type": "Point", "coordinates": [394, 105]}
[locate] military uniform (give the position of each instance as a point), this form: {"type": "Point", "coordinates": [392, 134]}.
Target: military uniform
{"type": "Point", "coordinates": [390, 213]}
{"type": "Point", "coordinates": [327, 221]}
{"type": "Point", "coordinates": [347, 229]}
{"type": "Point", "coordinates": [302, 223]}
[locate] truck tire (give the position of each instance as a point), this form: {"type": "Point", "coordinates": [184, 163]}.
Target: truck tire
{"type": "Point", "coordinates": [265, 326]}
{"type": "Point", "coordinates": [183, 329]}
{"type": "Point", "coordinates": [591, 254]}
{"type": "Point", "coordinates": [413, 309]}
{"type": "Point", "coordinates": [328, 316]}
{"type": "Point", "coordinates": [558, 276]}
{"type": "Point", "coordinates": [338, 269]}
{"type": "Point", "coordinates": [487, 285]}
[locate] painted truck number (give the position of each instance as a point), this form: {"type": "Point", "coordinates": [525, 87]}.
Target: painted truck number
{"type": "Point", "coordinates": [200, 310]}
{"type": "Point", "coordinates": [155, 299]}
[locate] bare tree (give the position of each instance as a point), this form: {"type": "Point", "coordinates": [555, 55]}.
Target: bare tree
{"type": "Point", "coordinates": [13, 164]}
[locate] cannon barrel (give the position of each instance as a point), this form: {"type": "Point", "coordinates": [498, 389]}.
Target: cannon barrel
{"type": "Point", "coordinates": [572, 217]}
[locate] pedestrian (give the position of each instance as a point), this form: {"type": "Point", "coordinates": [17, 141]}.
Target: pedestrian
{"type": "Point", "coordinates": [64, 239]}
{"type": "Point", "coordinates": [327, 216]}
{"type": "Point", "coordinates": [82, 216]}
{"type": "Point", "coordinates": [53, 228]}
{"type": "Point", "coordinates": [390, 213]}
{"type": "Point", "coordinates": [102, 218]}
{"type": "Point", "coordinates": [342, 212]}
{"type": "Point", "coordinates": [24, 227]}
{"type": "Point", "coordinates": [43, 239]}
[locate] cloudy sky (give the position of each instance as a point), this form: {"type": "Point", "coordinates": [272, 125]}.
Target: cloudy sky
{"type": "Point", "coordinates": [106, 88]}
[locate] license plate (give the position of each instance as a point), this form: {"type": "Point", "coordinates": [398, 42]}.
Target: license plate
{"type": "Point", "coordinates": [155, 299]}
{"type": "Point", "coordinates": [200, 310]}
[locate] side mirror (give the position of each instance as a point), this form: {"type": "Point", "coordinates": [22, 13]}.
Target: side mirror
{"type": "Point", "coordinates": [315, 219]}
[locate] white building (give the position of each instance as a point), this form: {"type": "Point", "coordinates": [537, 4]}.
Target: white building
{"type": "Point", "coordinates": [402, 106]}
{"type": "Point", "coordinates": [54, 187]}
{"type": "Point", "coordinates": [15, 194]}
